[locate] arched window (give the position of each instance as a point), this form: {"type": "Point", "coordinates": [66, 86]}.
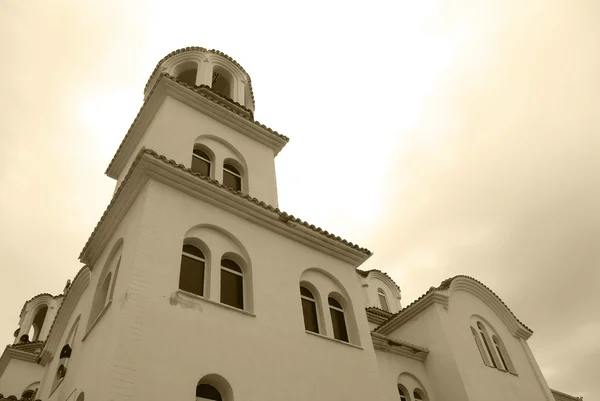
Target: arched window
{"type": "Point", "coordinates": [81, 397]}
{"type": "Point", "coordinates": [503, 353]}
{"type": "Point", "coordinates": [337, 319]}
{"type": "Point", "coordinates": [207, 392]}
{"type": "Point", "coordinates": [232, 177]}
{"type": "Point", "coordinates": [65, 355]}
{"type": "Point", "coordinates": [28, 395]}
{"type": "Point", "coordinates": [221, 82]}
{"type": "Point", "coordinates": [402, 395]}
{"type": "Point", "coordinates": [383, 300]}
{"type": "Point", "coordinates": [101, 298]}
{"type": "Point", "coordinates": [191, 274]}
{"type": "Point", "coordinates": [232, 284]}
{"type": "Point", "coordinates": [201, 162]}
{"type": "Point", "coordinates": [417, 395]}
{"type": "Point", "coordinates": [309, 310]}
{"type": "Point", "coordinates": [188, 76]}
{"type": "Point", "coordinates": [486, 342]}
{"type": "Point", "coordinates": [484, 355]}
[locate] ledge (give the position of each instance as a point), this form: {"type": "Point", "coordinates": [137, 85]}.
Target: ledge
{"type": "Point", "coordinates": [89, 330]}
{"type": "Point", "coordinates": [333, 339]}
{"type": "Point", "coordinates": [188, 296]}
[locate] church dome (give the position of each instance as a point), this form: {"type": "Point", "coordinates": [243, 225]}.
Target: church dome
{"type": "Point", "coordinates": [199, 67]}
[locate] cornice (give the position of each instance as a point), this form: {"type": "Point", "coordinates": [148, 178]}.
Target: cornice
{"type": "Point", "coordinates": [420, 305]}
{"type": "Point", "coordinates": [12, 353]}
{"type": "Point", "coordinates": [395, 346]}
{"type": "Point", "coordinates": [199, 99]}
{"type": "Point", "coordinates": [149, 165]}
{"type": "Point", "coordinates": [76, 290]}
{"type": "Point", "coordinates": [373, 316]}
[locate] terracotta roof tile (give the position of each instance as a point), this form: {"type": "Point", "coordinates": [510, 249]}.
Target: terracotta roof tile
{"type": "Point", "coordinates": [365, 273]}
{"type": "Point", "coordinates": [200, 90]}
{"type": "Point", "coordinates": [283, 216]}
{"type": "Point", "coordinates": [202, 49]}
{"type": "Point", "coordinates": [378, 311]}
{"type": "Point", "coordinates": [444, 286]}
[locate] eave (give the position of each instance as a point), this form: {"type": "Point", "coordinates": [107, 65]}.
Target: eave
{"type": "Point", "coordinates": [406, 314]}
{"type": "Point", "coordinates": [12, 353]}
{"type": "Point", "coordinates": [398, 347]}
{"type": "Point", "coordinates": [197, 98]}
{"type": "Point", "coordinates": [149, 165]}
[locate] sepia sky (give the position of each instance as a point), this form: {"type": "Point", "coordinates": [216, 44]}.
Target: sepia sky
{"type": "Point", "coordinates": [448, 137]}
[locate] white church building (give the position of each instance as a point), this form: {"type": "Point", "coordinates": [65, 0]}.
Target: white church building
{"type": "Point", "coordinates": [197, 287]}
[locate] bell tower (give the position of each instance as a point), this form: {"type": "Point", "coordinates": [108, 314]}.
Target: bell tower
{"type": "Point", "coordinates": [199, 111]}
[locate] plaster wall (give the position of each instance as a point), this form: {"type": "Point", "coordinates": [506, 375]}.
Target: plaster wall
{"type": "Point", "coordinates": [391, 366]}
{"type": "Point", "coordinates": [95, 364]}
{"type": "Point", "coordinates": [18, 375]}
{"type": "Point", "coordinates": [176, 127]}
{"type": "Point", "coordinates": [481, 381]}
{"type": "Point", "coordinates": [427, 329]}
{"type": "Point", "coordinates": [264, 353]}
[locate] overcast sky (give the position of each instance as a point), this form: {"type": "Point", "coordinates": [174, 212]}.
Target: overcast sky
{"type": "Point", "coordinates": [449, 137]}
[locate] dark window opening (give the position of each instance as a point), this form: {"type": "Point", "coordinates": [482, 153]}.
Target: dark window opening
{"type": "Point", "coordinates": [309, 310]}
{"type": "Point", "coordinates": [191, 276]}
{"type": "Point", "coordinates": [383, 300]}
{"type": "Point", "coordinates": [417, 396]}
{"type": "Point", "coordinates": [208, 392]}
{"type": "Point", "coordinates": [38, 322]}
{"type": "Point", "coordinates": [232, 284]}
{"type": "Point", "coordinates": [338, 321]}
{"type": "Point", "coordinates": [232, 177]}
{"type": "Point", "coordinates": [201, 163]}
{"type": "Point", "coordinates": [188, 76]}
{"type": "Point", "coordinates": [221, 85]}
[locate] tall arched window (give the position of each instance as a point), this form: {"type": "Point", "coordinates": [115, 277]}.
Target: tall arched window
{"type": "Point", "coordinates": [191, 273]}
{"type": "Point", "coordinates": [309, 310]}
{"type": "Point", "coordinates": [38, 322]}
{"type": "Point", "coordinates": [503, 353]}
{"type": "Point", "coordinates": [486, 342]}
{"type": "Point", "coordinates": [65, 355]}
{"type": "Point", "coordinates": [402, 395]}
{"type": "Point", "coordinates": [383, 300]}
{"type": "Point", "coordinates": [101, 298]}
{"type": "Point", "coordinates": [417, 395]}
{"type": "Point", "coordinates": [201, 162]}
{"type": "Point", "coordinates": [337, 319]}
{"type": "Point", "coordinates": [484, 355]}
{"type": "Point", "coordinates": [232, 284]}
{"type": "Point", "coordinates": [232, 177]}
{"type": "Point", "coordinates": [205, 392]}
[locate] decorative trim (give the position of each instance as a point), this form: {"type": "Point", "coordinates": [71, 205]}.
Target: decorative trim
{"type": "Point", "coordinates": [431, 298]}
{"type": "Point", "coordinates": [335, 340]}
{"type": "Point", "coordinates": [399, 347]}
{"type": "Point", "coordinates": [149, 165]}
{"type": "Point", "coordinates": [96, 320]}
{"type": "Point", "coordinates": [383, 276]}
{"type": "Point", "coordinates": [560, 396]}
{"type": "Point", "coordinates": [80, 283]}
{"type": "Point", "coordinates": [194, 298]}
{"type": "Point", "coordinates": [375, 316]}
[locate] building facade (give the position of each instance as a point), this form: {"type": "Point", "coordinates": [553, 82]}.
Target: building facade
{"type": "Point", "coordinates": [197, 287]}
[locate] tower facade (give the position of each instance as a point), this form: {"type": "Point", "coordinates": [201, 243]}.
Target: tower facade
{"type": "Point", "coordinates": [197, 287]}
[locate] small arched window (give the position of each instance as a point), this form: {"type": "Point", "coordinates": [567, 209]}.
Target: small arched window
{"type": "Point", "coordinates": [191, 273]}
{"type": "Point", "coordinates": [232, 284]}
{"type": "Point", "coordinates": [402, 395]}
{"type": "Point", "coordinates": [484, 355]}
{"type": "Point", "coordinates": [383, 300]}
{"type": "Point", "coordinates": [338, 320]}
{"type": "Point", "coordinates": [232, 177]}
{"type": "Point", "coordinates": [101, 298]}
{"type": "Point", "coordinates": [81, 396]}
{"type": "Point", "coordinates": [188, 76]}
{"type": "Point", "coordinates": [309, 310]}
{"type": "Point", "coordinates": [207, 392]}
{"type": "Point", "coordinates": [28, 395]}
{"type": "Point", "coordinates": [417, 395]}
{"type": "Point", "coordinates": [486, 343]}
{"type": "Point", "coordinates": [201, 162]}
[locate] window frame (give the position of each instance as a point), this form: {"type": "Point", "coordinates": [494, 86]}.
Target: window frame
{"type": "Point", "coordinates": [206, 159]}
{"type": "Point", "coordinates": [339, 309]}
{"type": "Point", "coordinates": [236, 173]}
{"type": "Point", "coordinates": [313, 301]}
{"type": "Point", "coordinates": [383, 300]}
{"type": "Point", "coordinates": [239, 274]}
{"type": "Point", "coordinates": [196, 258]}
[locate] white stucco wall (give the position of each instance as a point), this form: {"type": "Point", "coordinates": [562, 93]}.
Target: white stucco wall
{"type": "Point", "coordinates": [481, 381]}
{"type": "Point", "coordinates": [372, 284]}
{"type": "Point", "coordinates": [176, 127]}
{"type": "Point", "coordinates": [391, 366]}
{"type": "Point", "coordinates": [18, 375]}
